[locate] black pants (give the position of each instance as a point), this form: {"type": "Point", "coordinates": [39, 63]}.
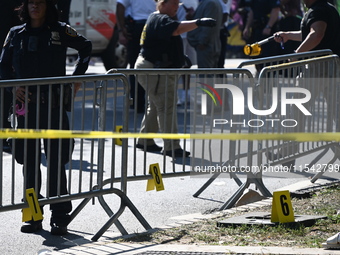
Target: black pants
{"type": "Point", "coordinates": [31, 162]}
{"type": "Point", "coordinates": [4, 111]}
{"type": "Point", "coordinates": [223, 37]}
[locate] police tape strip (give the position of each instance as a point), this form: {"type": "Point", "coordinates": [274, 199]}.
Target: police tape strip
{"type": "Point", "coordinates": [55, 134]}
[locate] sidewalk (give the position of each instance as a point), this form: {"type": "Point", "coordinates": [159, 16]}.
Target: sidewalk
{"type": "Point", "coordinates": [127, 248]}
{"type": "Point", "coordinates": [106, 247]}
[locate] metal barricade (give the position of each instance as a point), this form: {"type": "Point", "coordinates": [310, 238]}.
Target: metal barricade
{"type": "Point", "coordinates": [190, 120]}
{"type": "Point", "coordinates": [223, 101]}
{"type": "Point", "coordinates": [275, 60]}
{"type": "Point", "coordinates": [101, 104]}
{"type": "Point", "coordinates": [304, 101]}
{"type": "Point", "coordinates": [209, 111]}
{"type": "Point", "coordinates": [326, 70]}
{"type": "Point", "coordinates": [307, 103]}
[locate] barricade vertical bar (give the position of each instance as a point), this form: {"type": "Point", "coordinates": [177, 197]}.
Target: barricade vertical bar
{"type": "Point", "coordinates": [101, 142]}
{"type": "Point", "coordinates": [125, 129]}
{"type": "Point", "coordinates": [315, 75]}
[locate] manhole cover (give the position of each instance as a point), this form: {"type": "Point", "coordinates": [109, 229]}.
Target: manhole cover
{"type": "Point", "coordinates": [263, 218]}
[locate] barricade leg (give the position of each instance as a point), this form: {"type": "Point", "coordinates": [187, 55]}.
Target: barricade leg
{"type": "Point", "coordinates": [125, 202]}
{"type": "Point", "coordinates": [251, 178]}
{"type": "Point", "coordinates": [107, 210]}
{"type": "Point", "coordinates": [324, 169]}
{"type": "Point", "coordinates": [213, 178]}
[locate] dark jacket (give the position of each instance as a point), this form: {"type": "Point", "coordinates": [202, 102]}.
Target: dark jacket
{"type": "Point", "coordinates": [41, 52]}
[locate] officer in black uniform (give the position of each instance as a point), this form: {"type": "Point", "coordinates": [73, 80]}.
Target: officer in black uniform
{"type": "Point", "coordinates": [8, 18]}
{"type": "Point", "coordinates": [319, 28]}
{"type": "Point", "coordinates": [162, 47]}
{"type": "Point", "coordinates": [37, 49]}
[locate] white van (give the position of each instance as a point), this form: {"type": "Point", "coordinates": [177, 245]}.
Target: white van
{"type": "Point", "coordinates": [96, 20]}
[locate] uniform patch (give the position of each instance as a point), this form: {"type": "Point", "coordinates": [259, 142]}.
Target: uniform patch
{"type": "Point", "coordinates": [55, 36]}
{"type": "Point", "coordinates": [71, 31]}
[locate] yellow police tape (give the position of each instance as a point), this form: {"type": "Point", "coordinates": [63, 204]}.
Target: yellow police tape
{"type": "Point", "coordinates": [55, 134]}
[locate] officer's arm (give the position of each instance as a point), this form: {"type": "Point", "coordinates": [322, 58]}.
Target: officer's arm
{"type": "Point", "coordinates": [185, 26]}
{"type": "Point", "coordinates": [6, 68]}
{"type": "Point", "coordinates": [124, 35]}
{"type": "Point", "coordinates": [78, 42]}
{"type": "Point", "coordinates": [317, 32]}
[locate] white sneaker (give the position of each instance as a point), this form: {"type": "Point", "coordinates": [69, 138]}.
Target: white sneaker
{"type": "Point", "coordinates": [333, 242]}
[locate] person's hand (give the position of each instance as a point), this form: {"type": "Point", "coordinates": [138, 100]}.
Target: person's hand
{"type": "Point", "coordinates": [246, 33]}
{"type": "Point", "coordinates": [190, 13]}
{"type": "Point", "coordinates": [20, 94]}
{"type": "Point", "coordinates": [206, 22]}
{"type": "Point", "coordinates": [280, 37]}
{"type": "Point", "coordinates": [122, 39]}
{"type": "Point", "coordinates": [124, 36]}
{"type": "Point", "coordinates": [77, 86]}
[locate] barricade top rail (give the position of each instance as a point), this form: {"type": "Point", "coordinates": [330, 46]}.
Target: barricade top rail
{"type": "Point", "coordinates": [182, 71]}
{"type": "Point", "coordinates": [298, 63]}
{"type": "Point", "coordinates": [62, 79]}
{"type": "Point", "coordinates": [285, 57]}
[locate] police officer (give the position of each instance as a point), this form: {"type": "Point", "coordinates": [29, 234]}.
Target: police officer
{"type": "Point", "coordinates": [33, 50]}
{"type": "Point", "coordinates": [8, 18]}
{"type": "Point", "coordinates": [162, 47]}
{"type": "Point", "coordinates": [130, 28]}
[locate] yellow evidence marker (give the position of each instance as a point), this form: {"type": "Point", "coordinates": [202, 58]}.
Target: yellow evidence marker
{"type": "Point", "coordinates": [33, 211]}
{"type": "Point", "coordinates": [282, 209]}
{"type": "Point", "coordinates": [119, 141]}
{"type": "Point", "coordinates": [156, 180]}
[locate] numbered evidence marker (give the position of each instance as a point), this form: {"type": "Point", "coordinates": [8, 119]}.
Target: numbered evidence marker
{"type": "Point", "coordinates": [119, 129]}
{"type": "Point", "coordinates": [33, 211]}
{"type": "Point", "coordinates": [282, 209]}
{"type": "Point", "coordinates": [156, 180]}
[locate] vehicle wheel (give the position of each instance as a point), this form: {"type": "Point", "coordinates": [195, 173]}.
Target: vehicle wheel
{"type": "Point", "coordinates": [115, 55]}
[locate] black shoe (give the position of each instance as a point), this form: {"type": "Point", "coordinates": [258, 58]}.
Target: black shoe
{"type": "Point", "coordinates": [31, 226]}
{"type": "Point", "coordinates": [178, 153]}
{"type": "Point", "coordinates": [58, 230]}
{"type": "Point", "coordinates": [7, 149]}
{"type": "Point", "coordinates": [150, 148]}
